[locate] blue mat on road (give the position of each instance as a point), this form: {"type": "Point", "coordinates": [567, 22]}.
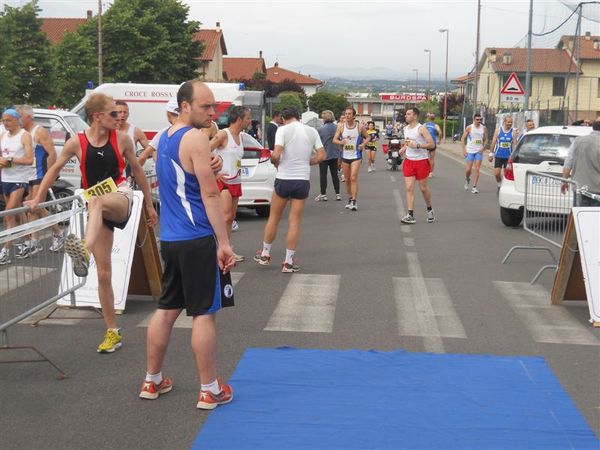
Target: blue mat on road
{"type": "Point", "coordinates": [288, 399]}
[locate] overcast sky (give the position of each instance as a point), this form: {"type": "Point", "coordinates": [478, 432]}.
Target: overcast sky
{"type": "Point", "coordinates": [357, 34]}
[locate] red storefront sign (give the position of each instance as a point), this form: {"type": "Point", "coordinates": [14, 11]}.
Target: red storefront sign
{"type": "Point", "coordinates": [403, 98]}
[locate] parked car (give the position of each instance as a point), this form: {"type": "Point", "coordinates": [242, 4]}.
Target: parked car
{"type": "Point", "coordinates": [258, 176]}
{"type": "Point", "coordinates": [542, 150]}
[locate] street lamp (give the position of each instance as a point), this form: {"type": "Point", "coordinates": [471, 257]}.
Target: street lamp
{"type": "Point", "coordinates": [447, 31]}
{"type": "Point", "coordinates": [416, 84]}
{"type": "Point", "coordinates": [429, 80]}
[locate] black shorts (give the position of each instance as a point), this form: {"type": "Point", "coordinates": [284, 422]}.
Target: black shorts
{"type": "Point", "coordinates": [192, 279]}
{"type": "Point", "coordinates": [292, 189]}
{"type": "Point", "coordinates": [35, 182]}
{"type": "Point", "coordinates": [500, 162]}
{"type": "Point", "coordinates": [120, 225]}
{"type": "Point", "coordinates": [350, 161]}
{"type": "Point", "coordinates": [371, 148]}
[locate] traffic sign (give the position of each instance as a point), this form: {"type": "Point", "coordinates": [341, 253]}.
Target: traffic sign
{"type": "Point", "coordinates": [512, 91]}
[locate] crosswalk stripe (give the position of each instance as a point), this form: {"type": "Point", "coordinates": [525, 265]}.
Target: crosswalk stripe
{"type": "Point", "coordinates": [307, 304]}
{"type": "Point", "coordinates": [545, 322]}
{"type": "Point", "coordinates": [184, 321]}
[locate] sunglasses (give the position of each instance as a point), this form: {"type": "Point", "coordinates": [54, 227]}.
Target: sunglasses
{"type": "Point", "coordinates": [113, 114]}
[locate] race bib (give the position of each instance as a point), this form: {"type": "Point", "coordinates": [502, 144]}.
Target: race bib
{"type": "Point", "coordinates": [505, 144]}
{"type": "Point", "coordinates": [238, 164]}
{"type": "Point", "coordinates": [477, 141]}
{"type": "Point", "coordinates": [103, 187]}
{"type": "Point", "coordinates": [349, 147]}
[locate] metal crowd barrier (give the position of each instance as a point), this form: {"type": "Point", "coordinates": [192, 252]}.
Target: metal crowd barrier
{"type": "Point", "coordinates": [30, 284]}
{"type": "Point", "coordinates": [545, 213]}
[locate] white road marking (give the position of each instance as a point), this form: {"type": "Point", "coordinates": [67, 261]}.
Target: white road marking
{"type": "Point", "coordinates": [400, 210]}
{"type": "Point", "coordinates": [307, 304]}
{"type": "Point", "coordinates": [545, 322]}
{"type": "Point", "coordinates": [184, 321]}
{"type": "Point", "coordinates": [392, 178]}
{"type": "Point", "coordinates": [409, 242]}
{"type": "Point", "coordinates": [14, 277]}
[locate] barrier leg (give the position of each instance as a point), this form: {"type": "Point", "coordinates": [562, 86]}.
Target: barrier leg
{"type": "Point", "coordinates": [527, 247]}
{"type": "Point", "coordinates": [56, 308]}
{"type": "Point", "coordinates": [542, 270]}
{"type": "Point", "coordinates": [61, 374]}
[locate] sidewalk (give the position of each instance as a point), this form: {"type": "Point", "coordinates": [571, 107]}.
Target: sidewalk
{"type": "Point", "coordinates": [454, 150]}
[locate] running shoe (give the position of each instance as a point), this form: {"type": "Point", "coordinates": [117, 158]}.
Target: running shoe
{"type": "Point", "coordinates": [474, 190]}
{"type": "Point", "coordinates": [36, 247]}
{"type": "Point", "coordinates": [349, 204]}
{"type": "Point", "coordinates": [263, 260]}
{"type": "Point", "coordinates": [151, 390]}
{"type": "Point", "coordinates": [467, 181]}
{"type": "Point", "coordinates": [234, 225]}
{"type": "Point", "coordinates": [58, 242]}
{"type": "Point", "coordinates": [408, 219]}
{"type": "Point", "coordinates": [338, 197]}
{"type": "Point", "coordinates": [289, 268]}
{"type": "Point", "coordinates": [353, 206]}
{"type": "Point", "coordinates": [370, 169]}
{"type": "Point", "coordinates": [373, 166]}
{"type": "Point", "coordinates": [24, 250]}
{"type": "Point", "coordinates": [4, 256]}
{"type": "Point", "coordinates": [342, 178]}
{"type": "Point", "coordinates": [430, 216]}
{"type": "Point", "coordinates": [238, 258]}
{"type": "Point", "coordinates": [111, 342]}
{"type": "Point", "coordinates": [321, 198]}
{"type": "Point", "coordinates": [75, 248]}
{"type": "Point", "coordinates": [208, 400]}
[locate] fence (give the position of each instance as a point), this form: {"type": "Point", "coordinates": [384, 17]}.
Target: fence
{"type": "Point", "coordinates": [547, 204]}
{"type": "Point", "coordinates": [27, 283]}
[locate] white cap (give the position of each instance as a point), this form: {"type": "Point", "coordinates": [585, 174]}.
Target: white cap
{"type": "Point", "coordinates": [172, 106]}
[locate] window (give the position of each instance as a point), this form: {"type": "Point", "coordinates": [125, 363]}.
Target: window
{"type": "Point", "coordinates": [56, 129]}
{"type": "Point", "coordinates": [558, 86]}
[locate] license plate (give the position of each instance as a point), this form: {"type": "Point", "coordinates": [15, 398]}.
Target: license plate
{"type": "Point", "coordinates": [394, 154]}
{"type": "Point", "coordinates": [535, 179]}
{"type": "Point", "coordinates": [245, 171]}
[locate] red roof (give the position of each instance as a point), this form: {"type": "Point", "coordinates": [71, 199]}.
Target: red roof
{"type": "Point", "coordinates": [212, 39]}
{"type": "Point", "coordinates": [543, 60]}
{"type": "Point", "coordinates": [277, 74]}
{"type": "Point", "coordinates": [463, 79]}
{"type": "Point", "coordinates": [56, 28]}
{"type": "Point", "coordinates": [587, 48]}
{"type": "Point", "coordinates": [242, 68]}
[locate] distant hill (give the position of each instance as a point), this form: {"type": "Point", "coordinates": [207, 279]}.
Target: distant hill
{"type": "Point", "coordinates": [371, 73]}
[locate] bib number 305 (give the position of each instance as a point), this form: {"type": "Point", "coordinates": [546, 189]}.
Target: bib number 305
{"type": "Point", "coordinates": [102, 188]}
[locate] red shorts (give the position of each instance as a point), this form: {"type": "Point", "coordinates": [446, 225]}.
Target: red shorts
{"type": "Point", "coordinates": [416, 168]}
{"type": "Point", "coordinates": [234, 189]}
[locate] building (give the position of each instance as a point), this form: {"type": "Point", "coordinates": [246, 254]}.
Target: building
{"type": "Point", "coordinates": [242, 69]}
{"type": "Point", "coordinates": [57, 27]}
{"type": "Point", "coordinates": [277, 74]}
{"type": "Point", "coordinates": [560, 86]}
{"type": "Point", "coordinates": [386, 107]}
{"type": "Point", "coordinates": [211, 60]}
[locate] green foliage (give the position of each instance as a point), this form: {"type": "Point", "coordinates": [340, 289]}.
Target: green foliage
{"type": "Point", "coordinates": [326, 100]}
{"type": "Point", "coordinates": [259, 76]}
{"type": "Point", "coordinates": [289, 99]}
{"type": "Point", "coordinates": [455, 103]}
{"type": "Point", "coordinates": [25, 66]}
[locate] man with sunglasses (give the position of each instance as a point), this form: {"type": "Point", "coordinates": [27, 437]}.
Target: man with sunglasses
{"type": "Point", "coordinates": [473, 142]}
{"type": "Point", "coordinates": [102, 152]}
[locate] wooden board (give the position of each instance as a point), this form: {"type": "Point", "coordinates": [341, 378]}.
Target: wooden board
{"type": "Point", "coordinates": [146, 270]}
{"type": "Point", "coordinates": [568, 282]}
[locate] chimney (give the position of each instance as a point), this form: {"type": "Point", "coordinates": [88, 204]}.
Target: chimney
{"type": "Point", "coordinates": [588, 36]}
{"type": "Point", "coordinates": [493, 55]}
{"type": "Point", "coordinates": [507, 58]}
{"type": "Point", "coordinates": [260, 53]}
{"type": "Point", "coordinates": [276, 64]}
{"type": "Point", "coordinates": [89, 14]}
{"type": "Point", "coordinates": [218, 26]}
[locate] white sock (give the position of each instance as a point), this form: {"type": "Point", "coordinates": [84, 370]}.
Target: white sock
{"type": "Point", "coordinates": [266, 251]}
{"type": "Point", "coordinates": [213, 387]}
{"type": "Point", "coordinates": [155, 378]}
{"type": "Point", "coordinates": [289, 256]}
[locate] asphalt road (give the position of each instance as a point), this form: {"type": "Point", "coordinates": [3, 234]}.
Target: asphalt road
{"type": "Point", "coordinates": [372, 267]}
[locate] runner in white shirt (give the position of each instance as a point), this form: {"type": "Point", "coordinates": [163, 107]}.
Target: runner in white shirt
{"type": "Point", "coordinates": [473, 141]}
{"type": "Point", "coordinates": [136, 135]}
{"type": "Point", "coordinates": [228, 145]}
{"type": "Point", "coordinates": [297, 147]}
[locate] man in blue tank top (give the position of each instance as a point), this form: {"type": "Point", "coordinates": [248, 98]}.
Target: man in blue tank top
{"type": "Point", "coordinates": [503, 143]}
{"type": "Point", "coordinates": [194, 246]}
{"type": "Point", "coordinates": [435, 132]}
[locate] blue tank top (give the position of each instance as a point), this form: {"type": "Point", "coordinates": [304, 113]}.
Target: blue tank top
{"type": "Point", "coordinates": [182, 213]}
{"type": "Point", "coordinates": [432, 131]}
{"type": "Point", "coordinates": [41, 162]}
{"type": "Point", "coordinates": [504, 144]}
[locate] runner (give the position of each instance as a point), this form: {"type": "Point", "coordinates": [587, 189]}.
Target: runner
{"type": "Point", "coordinates": [435, 132]}
{"type": "Point", "coordinates": [371, 145]}
{"type": "Point", "coordinates": [136, 135]}
{"type": "Point", "coordinates": [293, 156]}
{"type": "Point", "coordinates": [529, 126]}
{"type": "Point", "coordinates": [16, 157]}
{"type": "Point", "coordinates": [194, 247]}
{"type": "Point", "coordinates": [44, 156]}
{"type": "Point", "coordinates": [211, 130]}
{"type": "Point", "coordinates": [101, 151]}
{"type": "Point", "coordinates": [416, 166]}
{"type": "Point", "coordinates": [326, 133]}
{"type": "Point", "coordinates": [473, 142]}
{"type": "Point", "coordinates": [228, 145]}
{"type": "Point", "coordinates": [275, 123]}
{"type": "Point", "coordinates": [503, 143]}
{"type": "Point", "coordinates": [352, 138]}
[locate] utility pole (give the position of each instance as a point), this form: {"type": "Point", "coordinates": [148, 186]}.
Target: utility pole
{"type": "Point", "coordinates": [528, 72]}
{"type": "Point", "coordinates": [429, 80]}
{"type": "Point", "coordinates": [447, 31]}
{"type": "Point", "coordinates": [477, 57]}
{"type": "Point", "coordinates": [577, 46]}
{"type": "Point", "coordinates": [100, 56]}
{"type": "Point", "coordinates": [416, 84]}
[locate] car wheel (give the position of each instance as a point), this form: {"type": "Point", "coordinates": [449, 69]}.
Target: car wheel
{"type": "Point", "coordinates": [511, 217]}
{"type": "Point", "coordinates": [263, 211]}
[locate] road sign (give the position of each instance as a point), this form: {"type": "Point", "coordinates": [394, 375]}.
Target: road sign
{"type": "Point", "coordinates": [512, 91]}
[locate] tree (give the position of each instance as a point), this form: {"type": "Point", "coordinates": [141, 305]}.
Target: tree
{"type": "Point", "coordinates": [25, 65]}
{"type": "Point", "coordinates": [455, 103]}
{"type": "Point", "coordinates": [145, 41]}
{"type": "Point", "coordinates": [290, 99]}
{"type": "Point", "coordinates": [320, 101]}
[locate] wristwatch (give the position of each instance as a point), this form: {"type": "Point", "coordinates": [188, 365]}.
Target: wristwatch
{"type": "Point", "coordinates": [418, 145]}
{"type": "Point", "coordinates": [10, 162]}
